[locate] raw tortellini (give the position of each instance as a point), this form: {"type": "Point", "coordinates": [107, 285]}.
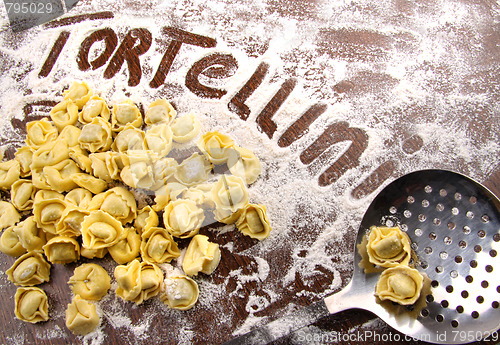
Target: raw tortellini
{"type": "Point", "coordinates": [201, 256]}
{"type": "Point", "coordinates": [400, 284]}
{"type": "Point", "coordinates": [29, 269]}
{"type": "Point", "coordinates": [81, 316]}
{"type": "Point", "coordinates": [138, 281]}
{"type": "Point", "coordinates": [81, 176]}
{"type": "Point", "coordinates": [31, 304]}
{"type": "Point", "coordinates": [388, 247]}
{"type": "Point", "coordinates": [181, 292]}
{"type": "Point", "coordinates": [90, 281]}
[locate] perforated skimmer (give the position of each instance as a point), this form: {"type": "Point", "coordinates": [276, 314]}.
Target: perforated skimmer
{"type": "Point", "coordinates": [454, 225]}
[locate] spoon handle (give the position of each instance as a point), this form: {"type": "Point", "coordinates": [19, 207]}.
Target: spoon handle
{"type": "Point", "coordinates": [283, 326]}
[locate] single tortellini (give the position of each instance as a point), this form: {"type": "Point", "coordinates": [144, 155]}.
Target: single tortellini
{"type": "Point", "coordinates": [163, 169]}
{"type": "Point", "coordinates": [200, 194]}
{"type": "Point", "coordinates": [229, 194]}
{"type": "Point", "coordinates": [96, 135]}
{"type": "Point", "coordinates": [79, 197]}
{"type": "Point", "coordinates": [181, 292]}
{"type": "Point", "coordinates": [183, 218]}
{"type": "Point", "coordinates": [106, 165]}
{"type": "Point", "coordinates": [216, 146]}
{"type": "Point", "coordinates": [253, 221]}
{"type": "Point", "coordinates": [30, 236]}
{"type": "Point", "coordinates": [81, 316]}
{"type": "Point", "coordinates": [29, 269]}
{"type": "Point", "coordinates": [138, 281]}
{"type": "Point", "coordinates": [22, 194]}
{"type": "Point", "coordinates": [93, 184]}
{"type": "Point", "coordinates": [40, 132]}
{"type": "Point", "coordinates": [60, 176]}
{"type": "Point", "coordinates": [90, 281]}
{"type": "Point", "coordinates": [48, 208]}
{"type": "Point", "coordinates": [100, 230]}
{"type": "Point", "coordinates": [70, 223]}
{"type": "Point", "coordinates": [96, 106]}
{"type": "Point", "coordinates": [31, 304]}
{"type": "Point", "coordinates": [400, 284]}
{"type": "Point", "coordinates": [244, 163]}
{"type": "Point", "coordinates": [160, 111]}
{"type": "Point", "coordinates": [185, 128]}
{"type": "Point", "coordinates": [8, 215]}
{"type": "Point", "coordinates": [388, 247]}
{"type": "Point", "coordinates": [10, 171]}
{"type": "Point", "coordinates": [70, 134]}
{"type": "Point", "coordinates": [162, 198]}
{"type": "Point", "coordinates": [64, 113]}
{"type": "Point", "coordinates": [146, 219]}
{"type": "Point", "coordinates": [138, 170]}
{"type": "Point", "coordinates": [126, 249]}
{"type": "Point", "coordinates": [10, 244]}
{"type": "Point", "coordinates": [125, 113]}
{"type": "Point", "coordinates": [118, 202]}
{"type": "Point", "coordinates": [201, 256]}
{"type": "Point", "coordinates": [62, 250]}
{"type": "Point", "coordinates": [159, 139]}
{"type": "Point", "coordinates": [129, 138]}
{"type": "Point", "coordinates": [158, 246]}
{"type": "Point", "coordinates": [24, 155]}
{"type": "Point", "coordinates": [193, 170]}
{"type": "Point", "coordinates": [49, 154]}
{"type": "Point", "coordinates": [79, 93]}
{"type": "Point", "coordinates": [81, 158]}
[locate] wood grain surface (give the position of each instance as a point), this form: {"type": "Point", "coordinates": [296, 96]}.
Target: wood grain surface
{"type": "Point", "coordinates": [120, 51]}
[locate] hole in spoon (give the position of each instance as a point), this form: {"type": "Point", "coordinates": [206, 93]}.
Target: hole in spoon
{"type": "Point", "coordinates": [439, 318]}
{"type": "Point", "coordinates": [474, 314]}
{"type": "Point", "coordinates": [454, 324]}
{"type": "Point", "coordinates": [459, 309]}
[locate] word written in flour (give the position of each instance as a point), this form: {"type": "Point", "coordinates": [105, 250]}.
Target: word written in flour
{"type": "Point", "coordinates": [138, 41]}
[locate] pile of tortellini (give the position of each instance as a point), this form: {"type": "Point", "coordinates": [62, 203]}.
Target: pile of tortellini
{"type": "Point", "coordinates": [73, 194]}
{"type": "Point", "coordinates": [390, 248]}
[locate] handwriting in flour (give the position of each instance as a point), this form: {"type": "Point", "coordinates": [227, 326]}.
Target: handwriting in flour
{"type": "Point", "coordinates": [138, 41]}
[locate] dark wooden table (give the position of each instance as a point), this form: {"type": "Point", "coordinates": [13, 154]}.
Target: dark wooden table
{"type": "Point", "coordinates": [125, 45]}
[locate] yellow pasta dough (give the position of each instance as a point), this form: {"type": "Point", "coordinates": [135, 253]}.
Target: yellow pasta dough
{"type": "Point", "coordinates": [201, 256]}
{"type": "Point", "coordinates": [158, 246]}
{"type": "Point", "coordinates": [159, 139]}
{"type": "Point", "coordinates": [81, 316]}
{"type": "Point", "coordinates": [62, 250]}
{"type": "Point", "coordinates": [93, 184]}
{"type": "Point", "coordinates": [253, 221]}
{"type": "Point", "coordinates": [90, 281]}
{"type": "Point", "coordinates": [70, 223]}
{"type": "Point", "coordinates": [10, 244]}
{"type": "Point", "coordinates": [10, 171]}
{"type": "Point", "coordinates": [64, 113]}
{"type": "Point", "coordinates": [29, 269]}
{"type": "Point", "coordinates": [193, 170]}
{"type": "Point", "coordinates": [24, 155]}
{"type": "Point", "coordinates": [244, 163]}
{"type": "Point", "coordinates": [185, 128]}
{"type": "Point", "coordinates": [229, 195]}
{"type": "Point", "coordinates": [95, 106]}
{"type": "Point", "coordinates": [79, 93]}
{"type": "Point", "coordinates": [48, 208]}
{"type": "Point", "coordinates": [138, 281]}
{"type": "Point", "coordinates": [31, 304]}
{"type": "Point", "coordinates": [40, 132]}
{"type": "Point", "coordinates": [125, 113]}
{"type": "Point", "coordinates": [79, 197]}
{"type": "Point", "coordinates": [181, 292]}
{"type": "Point", "coordinates": [216, 146]}
{"type": "Point", "coordinates": [129, 138]}
{"type": "Point", "coordinates": [388, 247]}
{"type": "Point", "coordinates": [96, 135]}
{"type": "Point", "coordinates": [30, 236]}
{"type": "Point", "coordinates": [100, 230]}
{"type": "Point", "coordinates": [400, 284]}
{"type": "Point", "coordinates": [118, 202]}
{"type": "Point", "coordinates": [146, 219]}
{"type": "Point", "coordinates": [127, 248]}
{"type": "Point", "coordinates": [183, 218]}
{"type": "Point", "coordinates": [59, 176]}
{"type": "Point", "coordinates": [8, 215]}
{"type": "Point", "coordinates": [22, 194]}
{"type": "Point", "coordinates": [160, 111]}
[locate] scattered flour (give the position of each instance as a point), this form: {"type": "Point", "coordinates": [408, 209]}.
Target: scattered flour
{"type": "Point", "coordinates": [435, 59]}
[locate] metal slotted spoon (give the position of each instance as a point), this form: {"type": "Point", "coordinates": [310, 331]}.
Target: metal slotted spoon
{"type": "Point", "coordinates": [454, 225]}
